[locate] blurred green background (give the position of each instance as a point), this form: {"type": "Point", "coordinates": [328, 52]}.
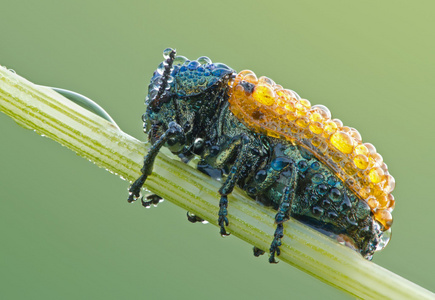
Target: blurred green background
{"type": "Point", "coordinates": [66, 229]}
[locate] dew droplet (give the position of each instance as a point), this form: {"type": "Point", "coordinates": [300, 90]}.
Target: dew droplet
{"type": "Point", "coordinates": [322, 110]}
{"type": "Point", "coordinates": [193, 65]}
{"type": "Point", "coordinates": [180, 60]}
{"type": "Point", "coordinates": [361, 161]}
{"type": "Point", "coordinates": [335, 195]}
{"type": "Point", "coordinates": [266, 81]}
{"type": "Point", "coordinates": [317, 178]}
{"type": "Point", "coordinates": [376, 175]}
{"type": "Point", "coordinates": [160, 68]}
{"type": "Point", "coordinates": [342, 141]}
{"type": "Point", "coordinates": [384, 217]}
{"type": "Point", "coordinates": [384, 239]}
{"type": "Point", "coordinates": [264, 95]}
{"type": "Point", "coordinates": [203, 60]}
{"type": "Point", "coordinates": [167, 52]}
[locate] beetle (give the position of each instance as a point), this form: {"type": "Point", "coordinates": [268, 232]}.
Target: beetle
{"type": "Point", "coordinates": [282, 151]}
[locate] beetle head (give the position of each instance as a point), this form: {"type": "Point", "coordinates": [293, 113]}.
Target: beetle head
{"type": "Point", "coordinates": [186, 92]}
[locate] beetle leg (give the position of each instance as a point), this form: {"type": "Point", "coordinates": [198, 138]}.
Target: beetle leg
{"type": "Point", "coordinates": [226, 189]}
{"type": "Point", "coordinates": [283, 215]}
{"type": "Point", "coordinates": [173, 130]}
{"type": "Point", "coordinates": [223, 212]}
{"type": "Point", "coordinates": [272, 176]}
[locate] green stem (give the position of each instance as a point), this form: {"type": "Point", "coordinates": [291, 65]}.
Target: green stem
{"type": "Point", "coordinates": [48, 113]}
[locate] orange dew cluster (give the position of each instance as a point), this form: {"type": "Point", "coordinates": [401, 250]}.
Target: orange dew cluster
{"type": "Point", "coordinates": [270, 109]}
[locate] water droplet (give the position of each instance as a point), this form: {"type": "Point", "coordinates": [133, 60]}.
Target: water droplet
{"type": "Point", "coordinates": [332, 215]}
{"type": "Point", "coordinates": [204, 60]}
{"type": "Point", "coordinates": [363, 210]}
{"type": "Point", "coordinates": [160, 68]}
{"type": "Point", "coordinates": [385, 238]}
{"type": "Point", "coordinates": [302, 165]}
{"type": "Point", "coordinates": [279, 163]}
{"type": "Point", "coordinates": [315, 165]}
{"type": "Point", "coordinates": [193, 65]}
{"type": "Point", "coordinates": [167, 52]}
{"type": "Point", "coordinates": [260, 176]}
{"type": "Point", "coordinates": [152, 94]}
{"type": "Point", "coordinates": [323, 110]}
{"type": "Point", "coordinates": [296, 95]}
{"type": "Point", "coordinates": [179, 60]}
{"type": "Point", "coordinates": [156, 81]}
{"type": "Point", "coordinates": [317, 178]}
{"type": "Point", "coordinates": [317, 211]}
{"type": "Point", "coordinates": [198, 143]}
{"type": "Point", "coordinates": [332, 180]}
{"type": "Point", "coordinates": [335, 195]}
{"type": "Point", "coordinates": [322, 189]}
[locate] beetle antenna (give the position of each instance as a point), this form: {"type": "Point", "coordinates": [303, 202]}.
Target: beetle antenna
{"type": "Point", "coordinates": [170, 54]}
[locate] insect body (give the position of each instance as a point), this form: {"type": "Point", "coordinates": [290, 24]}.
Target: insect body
{"type": "Point", "coordinates": [279, 149]}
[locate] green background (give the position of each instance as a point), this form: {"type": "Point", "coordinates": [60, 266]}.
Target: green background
{"type": "Point", "coordinates": [66, 229]}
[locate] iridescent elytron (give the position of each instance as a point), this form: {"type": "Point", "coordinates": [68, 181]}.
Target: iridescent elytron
{"type": "Point", "coordinates": [277, 147]}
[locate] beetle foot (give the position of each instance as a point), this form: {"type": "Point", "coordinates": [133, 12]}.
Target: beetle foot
{"type": "Point", "coordinates": [194, 218]}
{"type": "Point", "coordinates": [153, 199]}
{"type": "Point", "coordinates": [257, 251]}
{"type": "Point", "coordinates": [134, 190]}
{"type": "Point", "coordinates": [223, 212]}
{"type": "Point", "coordinates": [274, 246]}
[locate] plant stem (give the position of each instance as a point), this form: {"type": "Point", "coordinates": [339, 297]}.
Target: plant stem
{"type": "Point", "coordinates": [48, 113]}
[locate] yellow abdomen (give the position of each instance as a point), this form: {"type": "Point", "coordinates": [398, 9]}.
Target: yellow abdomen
{"type": "Point", "coordinates": [267, 108]}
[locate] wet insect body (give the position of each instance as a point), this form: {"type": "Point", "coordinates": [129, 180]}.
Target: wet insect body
{"type": "Point", "coordinates": [279, 149]}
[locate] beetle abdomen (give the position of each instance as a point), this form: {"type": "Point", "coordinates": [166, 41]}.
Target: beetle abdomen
{"type": "Point", "coordinates": [267, 108]}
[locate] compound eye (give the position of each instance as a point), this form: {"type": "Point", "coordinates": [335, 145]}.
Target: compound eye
{"type": "Point", "coordinates": [157, 103]}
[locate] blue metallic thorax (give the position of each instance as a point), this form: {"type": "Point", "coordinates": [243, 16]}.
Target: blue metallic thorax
{"type": "Point", "coordinates": [194, 78]}
{"type": "Point", "coordinates": [189, 77]}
